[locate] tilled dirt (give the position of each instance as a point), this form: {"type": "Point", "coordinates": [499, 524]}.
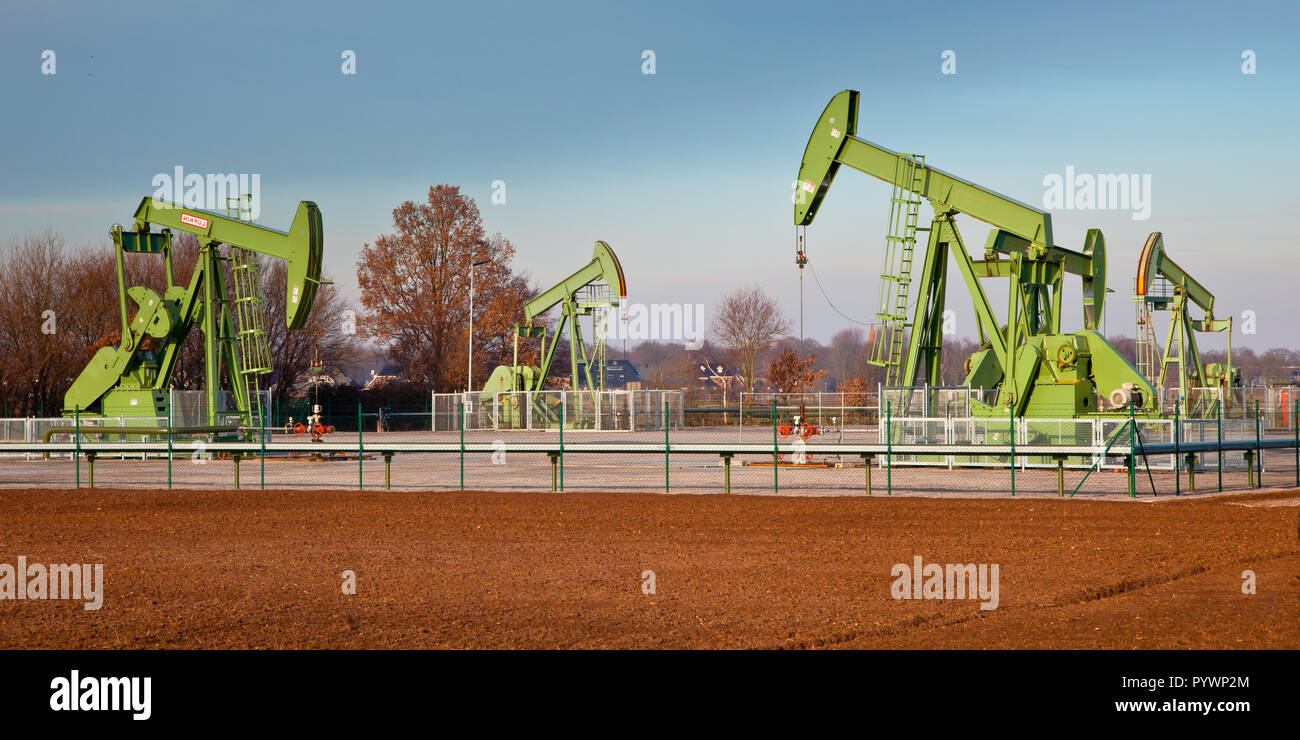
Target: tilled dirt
{"type": "Point", "coordinates": [213, 569]}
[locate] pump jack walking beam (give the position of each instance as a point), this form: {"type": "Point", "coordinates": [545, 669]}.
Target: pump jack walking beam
{"type": "Point", "coordinates": [833, 143]}
{"type": "Point", "coordinates": [301, 247]}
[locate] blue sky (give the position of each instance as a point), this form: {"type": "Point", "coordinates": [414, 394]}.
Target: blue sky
{"type": "Point", "coordinates": [687, 173]}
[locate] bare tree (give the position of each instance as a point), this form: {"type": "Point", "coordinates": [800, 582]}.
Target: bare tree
{"type": "Point", "coordinates": [747, 321]}
{"type": "Point", "coordinates": [956, 352]}
{"type": "Point", "coordinates": [331, 331]}
{"type": "Point", "coordinates": [53, 314]}
{"type": "Point", "coordinates": [846, 354]}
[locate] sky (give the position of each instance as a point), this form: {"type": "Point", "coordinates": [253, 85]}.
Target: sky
{"type": "Point", "coordinates": [686, 172]}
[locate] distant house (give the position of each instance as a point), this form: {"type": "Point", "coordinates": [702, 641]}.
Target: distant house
{"type": "Point", "coordinates": [326, 380]}
{"type": "Point", "coordinates": [622, 374]}
{"type": "Point", "coordinates": [381, 383]}
{"type": "Point", "coordinates": [619, 375]}
{"type": "Point", "coordinates": [718, 376]}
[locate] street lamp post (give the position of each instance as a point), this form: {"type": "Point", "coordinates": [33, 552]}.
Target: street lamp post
{"type": "Point", "coordinates": [469, 368]}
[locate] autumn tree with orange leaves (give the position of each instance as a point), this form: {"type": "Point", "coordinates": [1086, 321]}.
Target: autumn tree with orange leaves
{"type": "Point", "coordinates": [415, 292]}
{"type": "Point", "coordinates": [791, 373]}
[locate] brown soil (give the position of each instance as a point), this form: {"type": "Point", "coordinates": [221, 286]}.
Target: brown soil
{"type": "Point", "coordinates": [210, 569]}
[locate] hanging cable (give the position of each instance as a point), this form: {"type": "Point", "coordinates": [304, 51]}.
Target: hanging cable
{"type": "Point", "coordinates": [834, 307]}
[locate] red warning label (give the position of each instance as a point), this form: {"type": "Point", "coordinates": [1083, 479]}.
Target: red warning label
{"type": "Point", "coordinates": [196, 221]}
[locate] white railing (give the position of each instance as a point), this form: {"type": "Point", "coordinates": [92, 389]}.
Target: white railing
{"type": "Point", "coordinates": [607, 410]}
{"type": "Point", "coordinates": [1097, 432]}
{"type": "Point", "coordinates": [189, 408]}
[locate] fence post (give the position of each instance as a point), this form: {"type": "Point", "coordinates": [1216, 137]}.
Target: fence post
{"type": "Point", "coordinates": [562, 407]}
{"type": "Point", "coordinates": [1218, 427]}
{"type": "Point", "coordinates": [776, 486]}
{"type": "Point", "coordinates": [169, 449]}
{"type": "Point", "coordinates": [665, 443]}
{"type": "Point", "coordinates": [1259, 451]}
{"type": "Point", "coordinates": [460, 426]}
{"type": "Point", "coordinates": [1295, 418]}
{"type": "Point", "coordinates": [361, 451]}
{"type": "Point", "coordinates": [1178, 486]}
{"type": "Point", "coordinates": [841, 424]}
{"type": "Point", "coordinates": [1132, 453]}
{"type": "Point", "coordinates": [76, 427]}
{"type": "Point", "coordinates": [889, 450]}
{"type": "Point", "coordinates": [263, 452]}
{"type": "Point", "coordinates": [1011, 429]}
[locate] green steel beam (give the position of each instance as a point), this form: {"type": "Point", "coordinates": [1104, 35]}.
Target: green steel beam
{"type": "Point", "coordinates": [984, 315]}
{"type": "Point", "coordinates": [604, 265]}
{"type": "Point", "coordinates": [1155, 261]}
{"type": "Point", "coordinates": [834, 142]}
{"type": "Point", "coordinates": [301, 247]}
{"type": "Point", "coordinates": [1019, 228]}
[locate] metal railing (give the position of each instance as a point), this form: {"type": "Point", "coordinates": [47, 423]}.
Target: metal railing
{"type": "Point", "coordinates": [607, 410]}
{"type": "Point", "coordinates": [930, 455]}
